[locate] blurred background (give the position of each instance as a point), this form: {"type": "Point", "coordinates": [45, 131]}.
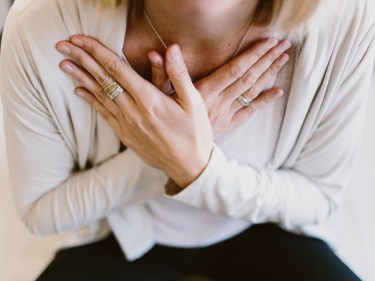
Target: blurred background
{"type": "Point", "coordinates": [23, 256]}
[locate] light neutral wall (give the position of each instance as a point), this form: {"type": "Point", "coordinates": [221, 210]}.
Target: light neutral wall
{"type": "Point", "coordinates": [4, 6]}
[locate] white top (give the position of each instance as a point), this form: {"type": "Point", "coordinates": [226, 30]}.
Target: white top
{"type": "Point", "coordinates": [252, 142]}
{"type": "Point", "coordinates": [65, 167]}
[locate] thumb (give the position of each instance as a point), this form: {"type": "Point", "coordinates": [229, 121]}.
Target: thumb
{"type": "Point", "coordinates": [179, 75]}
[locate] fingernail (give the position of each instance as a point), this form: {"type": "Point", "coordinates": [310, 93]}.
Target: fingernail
{"type": "Point", "coordinates": [63, 49]}
{"type": "Point", "coordinates": [79, 93]}
{"type": "Point", "coordinates": [67, 68]}
{"type": "Point", "coordinates": [76, 41]}
{"type": "Point", "coordinates": [155, 59]}
{"type": "Point", "coordinates": [279, 93]}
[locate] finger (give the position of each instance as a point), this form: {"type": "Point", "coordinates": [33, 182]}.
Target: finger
{"type": "Point", "coordinates": [179, 75]}
{"type": "Point", "coordinates": [262, 100]}
{"type": "Point", "coordinates": [86, 61]}
{"type": "Point", "coordinates": [104, 112]}
{"type": "Point", "coordinates": [95, 69]}
{"type": "Point", "coordinates": [91, 66]}
{"type": "Point", "coordinates": [249, 79]}
{"type": "Point", "coordinates": [264, 80]}
{"type": "Point", "coordinates": [84, 79]}
{"type": "Point", "coordinates": [114, 66]}
{"type": "Point", "coordinates": [236, 68]}
{"type": "Point", "coordinates": [159, 75]}
{"type": "Point", "coordinates": [267, 80]}
{"type": "Point", "coordinates": [88, 82]}
{"type": "Point", "coordinates": [265, 63]}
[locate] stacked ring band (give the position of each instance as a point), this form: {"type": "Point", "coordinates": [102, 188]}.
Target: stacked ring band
{"type": "Point", "coordinates": [113, 90]}
{"type": "Point", "coordinates": [243, 101]}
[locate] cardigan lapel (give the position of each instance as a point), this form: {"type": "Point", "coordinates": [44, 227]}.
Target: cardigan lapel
{"type": "Point", "coordinates": [307, 96]}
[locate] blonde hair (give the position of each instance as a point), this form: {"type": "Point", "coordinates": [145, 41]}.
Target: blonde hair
{"type": "Point", "coordinates": [283, 16]}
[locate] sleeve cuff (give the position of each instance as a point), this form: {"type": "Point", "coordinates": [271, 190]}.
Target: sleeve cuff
{"type": "Point", "coordinates": [208, 177]}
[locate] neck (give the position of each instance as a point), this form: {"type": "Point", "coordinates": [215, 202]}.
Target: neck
{"type": "Point", "coordinates": [195, 26]}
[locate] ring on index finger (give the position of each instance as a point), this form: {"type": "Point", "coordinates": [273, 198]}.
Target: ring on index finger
{"type": "Point", "coordinates": [113, 90]}
{"type": "Point", "coordinates": [243, 101]}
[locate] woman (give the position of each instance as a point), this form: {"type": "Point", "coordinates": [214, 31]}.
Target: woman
{"type": "Point", "coordinates": [231, 167]}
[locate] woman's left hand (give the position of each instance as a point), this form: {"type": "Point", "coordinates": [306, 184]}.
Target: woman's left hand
{"type": "Point", "coordinates": [170, 133]}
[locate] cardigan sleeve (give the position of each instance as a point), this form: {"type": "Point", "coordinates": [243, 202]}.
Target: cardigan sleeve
{"type": "Point", "coordinates": [307, 192]}
{"type": "Point", "coordinates": [51, 195]}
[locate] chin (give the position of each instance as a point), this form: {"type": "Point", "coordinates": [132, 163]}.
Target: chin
{"type": "Point", "coordinates": [202, 9]}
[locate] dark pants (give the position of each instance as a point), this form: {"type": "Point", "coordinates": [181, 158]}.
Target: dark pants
{"type": "Point", "coordinates": [263, 252]}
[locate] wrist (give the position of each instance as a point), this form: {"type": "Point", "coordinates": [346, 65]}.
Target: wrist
{"type": "Point", "coordinates": [191, 170]}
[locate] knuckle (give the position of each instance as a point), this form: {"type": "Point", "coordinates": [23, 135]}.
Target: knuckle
{"type": "Point", "coordinates": [271, 56]}
{"type": "Point", "coordinates": [235, 71]}
{"type": "Point", "coordinates": [132, 119]}
{"type": "Point", "coordinates": [113, 67]}
{"type": "Point", "coordinates": [79, 76]}
{"type": "Point", "coordinates": [275, 69]}
{"type": "Point", "coordinates": [258, 53]}
{"type": "Point", "coordinates": [90, 48]}
{"type": "Point", "coordinates": [106, 115]}
{"type": "Point", "coordinates": [102, 98]}
{"type": "Point", "coordinates": [248, 79]}
{"type": "Point", "coordinates": [135, 120]}
{"type": "Point", "coordinates": [80, 57]}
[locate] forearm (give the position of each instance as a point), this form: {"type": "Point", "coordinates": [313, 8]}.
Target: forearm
{"type": "Point", "coordinates": [91, 195]}
{"type": "Point", "coordinates": [255, 195]}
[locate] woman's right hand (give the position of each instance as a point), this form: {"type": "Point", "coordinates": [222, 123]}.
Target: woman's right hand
{"type": "Point", "coordinates": [252, 74]}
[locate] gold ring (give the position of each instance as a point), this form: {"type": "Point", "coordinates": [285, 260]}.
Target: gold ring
{"type": "Point", "coordinates": [113, 90]}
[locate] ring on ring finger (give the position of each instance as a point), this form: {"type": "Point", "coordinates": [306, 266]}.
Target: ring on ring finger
{"type": "Point", "coordinates": [243, 101]}
{"type": "Point", "coordinates": [113, 90]}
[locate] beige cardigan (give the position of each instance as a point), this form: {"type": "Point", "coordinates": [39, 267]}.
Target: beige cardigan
{"type": "Point", "coordinates": [65, 167]}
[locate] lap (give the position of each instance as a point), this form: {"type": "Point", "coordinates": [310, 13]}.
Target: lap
{"type": "Point", "coordinates": [269, 253]}
{"type": "Point", "coordinates": [104, 261]}
{"type": "Point", "coordinates": [263, 252]}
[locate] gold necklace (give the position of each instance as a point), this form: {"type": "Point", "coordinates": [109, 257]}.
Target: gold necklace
{"type": "Point", "coordinates": [244, 37]}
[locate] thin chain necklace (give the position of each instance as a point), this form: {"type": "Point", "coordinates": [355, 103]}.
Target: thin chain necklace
{"type": "Point", "coordinates": [244, 37]}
